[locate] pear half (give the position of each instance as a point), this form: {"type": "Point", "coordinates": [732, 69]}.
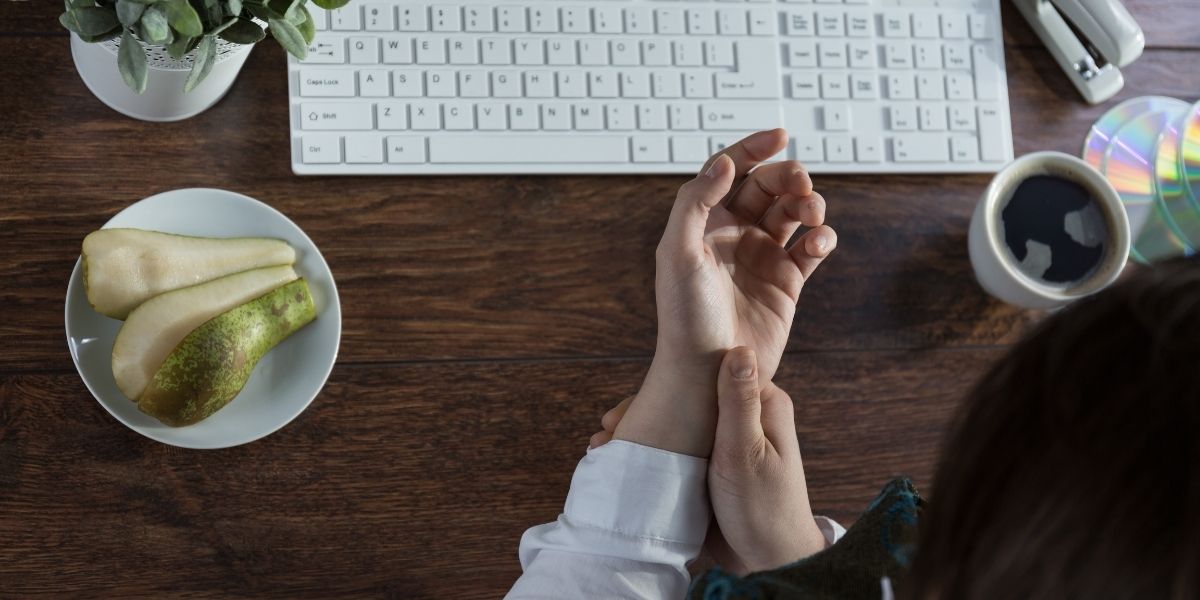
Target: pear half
{"type": "Point", "coordinates": [124, 267]}
{"type": "Point", "coordinates": [157, 326]}
{"type": "Point", "coordinates": [212, 364]}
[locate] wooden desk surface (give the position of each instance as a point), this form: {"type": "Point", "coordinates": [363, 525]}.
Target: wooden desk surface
{"type": "Point", "coordinates": [488, 322]}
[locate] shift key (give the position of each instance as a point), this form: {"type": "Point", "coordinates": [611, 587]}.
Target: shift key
{"type": "Point", "coordinates": [732, 116]}
{"type": "Point", "coordinates": [342, 116]}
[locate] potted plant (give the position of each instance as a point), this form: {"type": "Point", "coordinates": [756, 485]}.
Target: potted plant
{"type": "Point", "coordinates": [165, 60]}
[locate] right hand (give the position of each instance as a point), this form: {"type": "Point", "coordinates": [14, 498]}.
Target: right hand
{"type": "Point", "coordinates": [755, 477]}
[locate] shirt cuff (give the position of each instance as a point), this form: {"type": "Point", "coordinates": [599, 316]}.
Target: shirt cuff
{"type": "Point", "coordinates": [830, 529]}
{"type": "Point", "coordinates": [642, 492]}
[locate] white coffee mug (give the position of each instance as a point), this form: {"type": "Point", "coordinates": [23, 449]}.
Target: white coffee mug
{"type": "Point", "coordinates": [995, 266]}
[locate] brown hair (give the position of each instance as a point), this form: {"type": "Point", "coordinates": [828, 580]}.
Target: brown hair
{"type": "Point", "coordinates": [1073, 468]}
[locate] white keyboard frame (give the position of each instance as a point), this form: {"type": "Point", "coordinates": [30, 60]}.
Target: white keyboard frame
{"type": "Point", "coordinates": [989, 7]}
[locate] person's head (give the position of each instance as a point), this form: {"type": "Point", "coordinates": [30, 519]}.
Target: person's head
{"type": "Point", "coordinates": [1073, 468]}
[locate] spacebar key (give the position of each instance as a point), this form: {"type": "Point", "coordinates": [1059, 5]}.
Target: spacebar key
{"type": "Point", "coordinates": [466, 149]}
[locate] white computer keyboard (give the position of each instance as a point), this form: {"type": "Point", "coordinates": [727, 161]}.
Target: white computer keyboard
{"type": "Point", "coordinates": [410, 87]}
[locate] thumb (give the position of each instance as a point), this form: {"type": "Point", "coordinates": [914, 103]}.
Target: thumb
{"type": "Point", "coordinates": [738, 404]}
{"type": "Point", "coordinates": [696, 197]}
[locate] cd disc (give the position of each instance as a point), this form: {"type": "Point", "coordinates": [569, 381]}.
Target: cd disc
{"type": "Point", "coordinates": [1095, 146]}
{"type": "Point", "coordinates": [1129, 168]}
{"type": "Point", "coordinates": [1182, 214]}
{"type": "Point", "coordinates": [1189, 153]}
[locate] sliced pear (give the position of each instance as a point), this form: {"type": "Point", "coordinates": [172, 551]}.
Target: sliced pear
{"type": "Point", "coordinates": [157, 326]}
{"type": "Point", "coordinates": [212, 364]}
{"type": "Point", "coordinates": [124, 267]}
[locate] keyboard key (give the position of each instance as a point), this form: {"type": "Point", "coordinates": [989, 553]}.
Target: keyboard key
{"type": "Point", "coordinates": [405, 149]}
{"type": "Point", "coordinates": [496, 51]}
{"type": "Point", "coordinates": [463, 50]}
{"type": "Point", "coordinates": [656, 53]}
{"type": "Point", "coordinates": [543, 19]}
{"type": "Point", "coordinates": [805, 85]}
{"type": "Point", "coordinates": [932, 117]}
{"type": "Point", "coordinates": [929, 55]}
{"type": "Point", "coordinates": [635, 84]}
{"type": "Point", "coordinates": [321, 149]}
{"type": "Point", "coordinates": [991, 134]}
{"type": "Point", "coordinates": [529, 51]}
{"type": "Point", "coordinates": [607, 19]}
{"type": "Point", "coordinates": [688, 149]}
{"type": "Point", "coordinates": [920, 147]}
{"type": "Point", "coordinates": [718, 53]}
{"type": "Point", "coordinates": [868, 149]}
{"type": "Point", "coordinates": [647, 148]}
{"type": "Point", "coordinates": [602, 84]}
{"type": "Point", "coordinates": [836, 118]}
{"type": "Point", "coordinates": [447, 18]}
{"type": "Point", "coordinates": [398, 52]}
{"type": "Point", "coordinates": [523, 116]}
{"type": "Point", "coordinates": [589, 116]}
{"type": "Point", "coordinates": [408, 83]}
{"type": "Point", "coordinates": [539, 84]}
{"type": "Point", "coordinates": [731, 116]}
{"type": "Point", "coordinates": [593, 52]}
{"type": "Point", "coordinates": [619, 117]}
{"type": "Point", "coordinates": [479, 19]}
{"type": "Point", "coordinates": [670, 21]}
{"type": "Point", "coordinates": [930, 86]}
{"type": "Point", "coordinates": [959, 86]}
{"type": "Point", "coordinates": [900, 86]}
{"type": "Point", "coordinates": [860, 25]}
{"type": "Point", "coordinates": [440, 83]}
{"type": "Point", "coordinates": [762, 21]}
{"type": "Point", "coordinates": [450, 149]}
{"type": "Point", "coordinates": [925, 25]}
{"type": "Point", "coordinates": [895, 25]}
{"type": "Point", "coordinates": [336, 115]}
{"type": "Point", "coordinates": [799, 23]}
{"type": "Point", "coordinates": [347, 18]}
{"type": "Point", "coordinates": [571, 84]}
{"type": "Point", "coordinates": [688, 53]}
{"type": "Point", "coordinates": [964, 149]}
{"type": "Point", "coordinates": [473, 83]}
{"type": "Point", "coordinates": [431, 51]}
{"type": "Point", "coordinates": [652, 117]}
{"type": "Point", "coordinates": [833, 55]}
{"type": "Point", "coordinates": [731, 21]}
{"type": "Point", "coordinates": [758, 72]}
{"type": "Point", "coordinates": [833, 86]}
{"type": "Point", "coordinates": [556, 117]}
{"type": "Point", "coordinates": [364, 51]}
{"type": "Point", "coordinates": [864, 87]}
{"type": "Point", "coordinates": [684, 116]}
{"type": "Point", "coordinates": [954, 25]}
{"type": "Point", "coordinates": [391, 115]}
{"type": "Point", "coordinates": [380, 17]}
{"type": "Point", "coordinates": [426, 115]}
{"type": "Point", "coordinates": [981, 26]}
{"type": "Point", "coordinates": [956, 55]}
{"type": "Point", "coordinates": [831, 24]}
{"type": "Point", "coordinates": [364, 148]}
{"type": "Point", "coordinates": [697, 85]}
{"type": "Point", "coordinates": [374, 83]}
{"type": "Point", "coordinates": [700, 21]}
{"type": "Point", "coordinates": [327, 83]}
{"type": "Point", "coordinates": [987, 71]}
{"type": "Point", "coordinates": [839, 148]}
{"type": "Point", "coordinates": [491, 116]}
{"type": "Point", "coordinates": [809, 148]}
{"type": "Point", "coordinates": [639, 20]}
{"type": "Point", "coordinates": [897, 55]}
{"type": "Point", "coordinates": [802, 53]}
{"type": "Point", "coordinates": [862, 55]}
{"type": "Point", "coordinates": [902, 118]}
{"type": "Point", "coordinates": [576, 20]}
{"type": "Point", "coordinates": [326, 52]}
{"type": "Point", "coordinates": [625, 52]}
{"type": "Point", "coordinates": [666, 84]}
{"type": "Point", "coordinates": [459, 115]}
{"type": "Point", "coordinates": [510, 19]}
{"type": "Point", "coordinates": [560, 52]}
{"type": "Point", "coordinates": [413, 18]}
{"type": "Point", "coordinates": [962, 117]}
{"type": "Point", "coordinates": [506, 84]}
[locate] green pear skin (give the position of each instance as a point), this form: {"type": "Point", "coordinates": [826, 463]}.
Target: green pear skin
{"type": "Point", "coordinates": [212, 364]}
{"type": "Point", "coordinates": [124, 267]}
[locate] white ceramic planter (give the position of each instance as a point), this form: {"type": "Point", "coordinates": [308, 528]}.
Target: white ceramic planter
{"type": "Point", "coordinates": [164, 98]}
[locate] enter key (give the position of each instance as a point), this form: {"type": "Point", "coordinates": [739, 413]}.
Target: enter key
{"type": "Point", "coordinates": [757, 73]}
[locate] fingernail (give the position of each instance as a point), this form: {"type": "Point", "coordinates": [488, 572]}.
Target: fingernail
{"type": "Point", "coordinates": [821, 243]}
{"type": "Point", "coordinates": [712, 169]}
{"type": "Point", "coordinates": [743, 365]}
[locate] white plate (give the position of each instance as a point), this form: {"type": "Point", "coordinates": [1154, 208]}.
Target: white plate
{"type": "Point", "coordinates": [285, 381]}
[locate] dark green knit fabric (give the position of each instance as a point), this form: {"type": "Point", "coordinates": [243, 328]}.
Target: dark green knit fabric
{"type": "Point", "coordinates": [879, 544]}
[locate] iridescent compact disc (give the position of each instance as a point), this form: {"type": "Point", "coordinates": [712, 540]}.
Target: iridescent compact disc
{"type": "Point", "coordinates": [1095, 146]}
{"type": "Point", "coordinates": [1182, 213]}
{"type": "Point", "coordinates": [1129, 168]}
{"type": "Point", "coordinates": [1189, 153]}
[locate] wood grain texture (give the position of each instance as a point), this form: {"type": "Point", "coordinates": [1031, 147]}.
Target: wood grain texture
{"type": "Point", "coordinates": [488, 322]}
{"type": "Point", "coordinates": [411, 481]}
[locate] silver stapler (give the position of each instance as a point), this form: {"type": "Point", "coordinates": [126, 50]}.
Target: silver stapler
{"type": "Point", "coordinates": [1090, 40]}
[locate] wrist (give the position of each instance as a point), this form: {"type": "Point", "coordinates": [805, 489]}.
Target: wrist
{"type": "Point", "coordinates": [676, 407]}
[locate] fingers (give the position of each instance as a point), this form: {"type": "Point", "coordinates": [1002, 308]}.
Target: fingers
{"type": "Point", "coordinates": [738, 405]}
{"type": "Point", "coordinates": [696, 197]}
{"type": "Point", "coordinates": [812, 248]}
{"type": "Point", "coordinates": [751, 150]}
{"type": "Point", "coordinates": [779, 420]}
{"type": "Point", "coordinates": [791, 211]}
{"type": "Point", "coordinates": [757, 194]}
{"type": "Point", "coordinates": [599, 438]}
{"type": "Point", "coordinates": [613, 416]}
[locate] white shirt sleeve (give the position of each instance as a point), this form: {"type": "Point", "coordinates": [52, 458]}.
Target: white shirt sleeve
{"type": "Point", "coordinates": [634, 518]}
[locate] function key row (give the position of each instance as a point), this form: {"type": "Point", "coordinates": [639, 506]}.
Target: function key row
{"type": "Point", "coordinates": [892, 24]}
{"type": "Point", "coordinates": [672, 20]}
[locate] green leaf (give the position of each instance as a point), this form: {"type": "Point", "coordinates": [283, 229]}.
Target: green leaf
{"type": "Point", "coordinates": [233, 8]}
{"type": "Point", "coordinates": [89, 21]}
{"type": "Point", "coordinates": [223, 26]}
{"type": "Point", "coordinates": [206, 55]}
{"type": "Point", "coordinates": [146, 2]}
{"type": "Point", "coordinates": [155, 28]}
{"type": "Point", "coordinates": [128, 12]}
{"type": "Point", "coordinates": [179, 46]}
{"type": "Point", "coordinates": [331, 4]}
{"type": "Point", "coordinates": [79, 4]}
{"type": "Point", "coordinates": [244, 31]}
{"type": "Point", "coordinates": [184, 18]}
{"type": "Point", "coordinates": [289, 37]}
{"type": "Point", "coordinates": [263, 12]}
{"type": "Point", "coordinates": [308, 29]}
{"type": "Point", "coordinates": [131, 61]}
{"type": "Point", "coordinates": [103, 37]}
{"type": "Point", "coordinates": [213, 15]}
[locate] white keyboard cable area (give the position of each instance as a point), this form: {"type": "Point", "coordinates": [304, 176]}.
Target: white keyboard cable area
{"type": "Point", "coordinates": [649, 86]}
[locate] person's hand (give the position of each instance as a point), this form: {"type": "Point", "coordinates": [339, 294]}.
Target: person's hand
{"type": "Point", "coordinates": [755, 477]}
{"type": "Point", "coordinates": [725, 276]}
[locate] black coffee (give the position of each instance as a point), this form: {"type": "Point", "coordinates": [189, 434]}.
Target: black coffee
{"type": "Point", "coordinates": [1054, 229]}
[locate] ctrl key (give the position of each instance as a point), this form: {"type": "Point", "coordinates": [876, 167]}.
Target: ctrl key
{"type": "Point", "coordinates": [321, 149]}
